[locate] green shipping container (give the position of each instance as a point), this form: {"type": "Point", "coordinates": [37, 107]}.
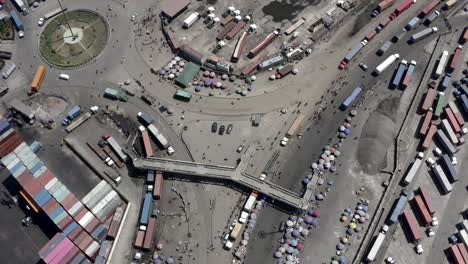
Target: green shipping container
{"type": "Point", "coordinates": [439, 106]}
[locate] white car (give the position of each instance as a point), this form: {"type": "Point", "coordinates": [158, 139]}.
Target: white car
{"type": "Point", "coordinates": [284, 141]}
{"type": "Point", "coordinates": [263, 176]}
{"type": "Point", "coordinates": [21, 33]}
{"type": "Point", "coordinates": [419, 249]}
{"type": "Point", "coordinates": [132, 18]}
{"type": "Point", "coordinates": [431, 162]}
{"type": "Point", "coordinates": [170, 150]}
{"type": "Point", "coordinates": [435, 221]}
{"type": "Point", "coordinates": [384, 229]}
{"type": "Point", "coordinates": [437, 152]}
{"type": "Point", "coordinates": [389, 260]}
{"type": "Point", "coordinates": [64, 76]}
{"type": "Point", "coordinates": [40, 22]}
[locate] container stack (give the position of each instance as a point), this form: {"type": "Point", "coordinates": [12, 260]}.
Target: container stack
{"type": "Point", "coordinates": [9, 139]}
{"type": "Point", "coordinates": [102, 201]}
{"type": "Point", "coordinates": [115, 223]}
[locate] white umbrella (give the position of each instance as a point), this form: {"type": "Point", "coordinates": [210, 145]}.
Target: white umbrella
{"type": "Point", "coordinates": [278, 254]}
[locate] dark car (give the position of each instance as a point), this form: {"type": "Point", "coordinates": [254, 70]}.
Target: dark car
{"type": "Point", "coordinates": [221, 129]}
{"type": "Point", "coordinates": [229, 129]}
{"type": "Point", "coordinates": [214, 127]}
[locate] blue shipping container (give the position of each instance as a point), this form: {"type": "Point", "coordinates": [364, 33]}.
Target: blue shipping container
{"type": "Point", "coordinates": [397, 211]}
{"type": "Point", "coordinates": [351, 98]}
{"type": "Point", "coordinates": [145, 211]}
{"type": "Point", "coordinates": [450, 171]}
{"type": "Point", "coordinates": [445, 83]}
{"type": "Point", "coordinates": [44, 200]}
{"type": "Point", "coordinates": [70, 228]}
{"type": "Point", "coordinates": [57, 212]}
{"type": "Point", "coordinates": [17, 166]}
{"type": "Point", "coordinates": [397, 80]}
{"type": "Point", "coordinates": [97, 231]}
{"type": "Point", "coordinates": [16, 20]}
{"type": "Point", "coordinates": [74, 113]}
{"type": "Point", "coordinates": [35, 146]}
{"type": "Point", "coordinates": [41, 194]}
{"type": "Point", "coordinates": [4, 126]}
{"type": "Point", "coordinates": [464, 89]}
{"type": "Point", "coordinates": [463, 101]}
{"type": "Point", "coordinates": [78, 259]}
{"type": "Point", "coordinates": [37, 167]}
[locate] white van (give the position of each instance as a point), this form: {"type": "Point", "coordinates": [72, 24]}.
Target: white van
{"type": "Point", "coordinates": [64, 76]}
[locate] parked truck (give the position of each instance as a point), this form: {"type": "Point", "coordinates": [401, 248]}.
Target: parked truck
{"type": "Point", "coordinates": [160, 139]}
{"type": "Point", "coordinates": [352, 53]}
{"type": "Point", "coordinates": [412, 23]}
{"type": "Point", "coordinates": [71, 115]}
{"type": "Point", "coordinates": [445, 142]}
{"type": "Point", "coordinates": [399, 74]}
{"type": "Point", "coordinates": [386, 63]}
{"type": "Point", "coordinates": [375, 247]}
{"type": "Point", "coordinates": [412, 171]}
{"type": "Point", "coordinates": [115, 95]}
{"type": "Point", "coordinates": [449, 169]}
{"type": "Point", "coordinates": [426, 123]}
{"type": "Point", "coordinates": [423, 34]}
{"type": "Point", "coordinates": [429, 136]}
{"type": "Point", "coordinates": [408, 75]}
{"type": "Point", "coordinates": [429, 7]}
{"type": "Point", "coordinates": [431, 18]}
{"type": "Point", "coordinates": [439, 105]}
{"type": "Point", "coordinates": [250, 203]}
{"type": "Point", "coordinates": [115, 146]}
{"type": "Point", "coordinates": [441, 65]}
{"type": "Point", "coordinates": [427, 200]}
{"type": "Point", "coordinates": [401, 8]}
{"type": "Point", "coordinates": [452, 119]}
{"type": "Point", "coordinates": [382, 6]}
{"type": "Point", "coordinates": [349, 100]}
{"type": "Point", "coordinates": [442, 179]}
{"type": "Point", "coordinates": [18, 23]}
{"type": "Point", "coordinates": [412, 225]}
{"type": "Point", "coordinates": [422, 209]}
{"type": "Point", "coordinates": [20, 5]}
{"type": "Point", "coordinates": [399, 207]}
{"type": "Point", "coordinates": [8, 69]}
{"type": "Point", "coordinates": [449, 131]}
{"type": "Point", "coordinates": [148, 149]}
{"type": "Point", "coordinates": [146, 209]}
{"type": "Point", "coordinates": [191, 19]}
{"type": "Point", "coordinates": [384, 48]}
{"type": "Point", "coordinates": [456, 59]}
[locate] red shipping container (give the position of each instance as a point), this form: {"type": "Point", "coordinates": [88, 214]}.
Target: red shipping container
{"type": "Point", "coordinates": [456, 58]}
{"type": "Point", "coordinates": [452, 120]}
{"type": "Point", "coordinates": [158, 186]}
{"type": "Point", "coordinates": [429, 99]}
{"type": "Point", "coordinates": [25, 178]}
{"type": "Point", "coordinates": [71, 201]}
{"type": "Point", "coordinates": [70, 255]}
{"type": "Point", "coordinates": [428, 8]}
{"type": "Point", "coordinates": [456, 255]}
{"type": "Point", "coordinates": [80, 237]}
{"type": "Point", "coordinates": [113, 229]}
{"type": "Point", "coordinates": [370, 35]}
{"type": "Point", "coordinates": [412, 226]}
{"type": "Point", "coordinates": [423, 212]}
{"type": "Point", "coordinates": [456, 112]}
{"type": "Point", "coordinates": [463, 251]}
{"type": "Point", "coordinates": [464, 36]}
{"type": "Point", "coordinates": [49, 203]}
{"type": "Point", "coordinates": [45, 178]}
{"type": "Point", "coordinates": [430, 134]}
{"type": "Point", "coordinates": [7, 138]}
{"type": "Point", "coordinates": [92, 225]}
{"type": "Point", "coordinates": [85, 244]}
{"type": "Point", "coordinates": [64, 223]}
{"type": "Point", "coordinates": [80, 214]}
{"type": "Point", "coordinates": [149, 233]}
{"type": "Point", "coordinates": [34, 188]}
{"type": "Point", "coordinates": [426, 123]}
{"type": "Point", "coordinates": [52, 208]}
{"type": "Point", "coordinates": [140, 236]}
{"type": "Point", "coordinates": [67, 201]}
{"type": "Point", "coordinates": [74, 234]}
{"type": "Point", "coordinates": [427, 200]}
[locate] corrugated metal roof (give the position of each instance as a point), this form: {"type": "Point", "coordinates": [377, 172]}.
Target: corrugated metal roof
{"type": "Point", "coordinates": [186, 76]}
{"type": "Point", "coordinates": [172, 8]}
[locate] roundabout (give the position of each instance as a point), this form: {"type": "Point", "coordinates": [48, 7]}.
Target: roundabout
{"type": "Point", "coordinates": [74, 38]}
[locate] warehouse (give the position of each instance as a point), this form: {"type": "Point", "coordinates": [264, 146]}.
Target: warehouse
{"type": "Point", "coordinates": [172, 8]}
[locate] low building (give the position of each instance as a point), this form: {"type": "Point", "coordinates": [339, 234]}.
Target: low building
{"type": "Point", "coordinates": [172, 8]}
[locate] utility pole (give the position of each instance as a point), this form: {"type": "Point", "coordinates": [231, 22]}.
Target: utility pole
{"type": "Point", "coordinates": [66, 20]}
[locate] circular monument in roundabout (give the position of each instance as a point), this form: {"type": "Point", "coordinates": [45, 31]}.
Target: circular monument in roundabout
{"type": "Point", "coordinates": [73, 38]}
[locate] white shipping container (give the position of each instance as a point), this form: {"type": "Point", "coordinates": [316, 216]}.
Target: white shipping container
{"type": "Point", "coordinates": [412, 171]}
{"type": "Point", "coordinates": [387, 62]}
{"type": "Point", "coordinates": [93, 191]}
{"type": "Point", "coordinates": [192, 18]}
{"type": "Point", "coordinates": [91, 250]}
{"type": "Point", "coordinates": [108, 209]}
{"type": "Point", "coordinates": [442, 63]}
{"type": "Point", "coordinates": [250, 203]}
{"type": "Point", "coordinates": [75, 208]}
{"type": "Point", "coordinates": [464, 236]}
{"type": "Point", "coordinates": [8, 158]}
{"type": "Point", "coordinates": [375, 247]}
{"type": "Point", "coordinates": [99, 197]}
{"type": "Point", "coordinates": [104, 202]}
{"type": "Point", "coordinates": [12, 163]}
{"type": "Point", "coordinates": [51, 183]}
{"type": "Point", "coordinates": [84, 221]}
{"type": "Point", "coordinates": [449, 131]}
{"type": "Point", "coordinates": [19, 147]}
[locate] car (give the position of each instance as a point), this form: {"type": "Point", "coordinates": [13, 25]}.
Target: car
{"type": "Point", "coordinates": [363, 66]}
{"type": "Point", "coordinates": [21, 34]}
{"type": "Point", "coordinates": [240, 148]}
{"type": "Point", "coordinates": [384, 229]}
{"type": "Point", "coordinates": [263, 176]}
{"type": "Point", "coordinates": [389, 260]}
{"type": "Point", "coordinates": [284, 141]}
{"type": "Point", "coordinates": [170, 150]}
{"type": "Point", "coordinates": [64, 77]}
{"type": "Point", "coordinates": [214, 127]}
{"type": "Point", "coordinates": [419, 249]}
{"type": "Point", "coordinates": [41, 21]}
{"type": "Point", "coordinates": [229, 129]}
{"type": "Point", "coordinates": [132, 18]}
{"type": "Point", "coordinates": [222, 128]}
{"type": "Point", "coordinates": [430, 162]}
{"type": "Point", "coordinates": [225, 238]}
{"type": "Point", "coordinates": [430, 232]}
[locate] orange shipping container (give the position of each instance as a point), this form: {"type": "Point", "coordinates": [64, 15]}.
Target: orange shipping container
{"type": "Point", "coordinates": [38, 77]}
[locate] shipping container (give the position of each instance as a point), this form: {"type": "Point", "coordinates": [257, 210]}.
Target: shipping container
{"type": "Point", "coordinates": [171, 39]}
{"type": "Point", "coordinates": [427, 199]}
{"type": "Point", "coordinates": [441, 64]}
{"type": "Point", "coordinates": [191, 19]}
{"type": "Point", "coordinates": [399, 74]}
{"type": "Point", "coordinates": [464, 36]}
{"type": "Point", "coordinates": [148, 242]}
{"type": "Point", "coordinates": [412, 226]}
{"type": "Point", "coordinates": [423, 34]}
{"type": "Point", "coordinates": [145, 119]}
{"type": "Point", "coordinates": [140, 236]}
{"type": "Point", "coordinates": [51, 245]}
{"type": "Point", "coordinates": [235, 231]}
{"type": "Point", "coordinates": [444, 84]}
{"type": "Point", "coordinates": [225, 30]}
{"type": "Point", "coordinates": [445, 143]}
{"type": "Point", "coordinates": [191, 55]}
{"type": "Point", "coordinates": [293, 129]}
{"type": "Point", "coordinates": [412, 23]}
{"type": "Point", "coordinates": [270, 62]}
{"type": "Point", "coordinates": [236, 29]}
{"type": "Point", "coordinates": [146, 142]}
{"type": "Point", "coordinates": [117, 149]}
{"type": "Point", "coordinates": [456, 59]}
{"type": "Point", "coordinates": [74, 112]}
{"type": "Point", "coordinates": [449, 4]}
{"type": "Point", "coordinates": [452, 119]}
{"type": "Point", "coordinates": [160, 139]}
{"type": "Point", "coordinates": [449, 169]}
{"type": "Point", "coordinates": [287, 69]}
{"type": "Point", "coordinates": [354, 51]}
{"type": "Point", "coordinates": [384, 48]}
{"type": "Point", "coordinates": [413, 170]}
{"type": "Point", "coordinates": [158, 186]}
{"type": "Point", "coordinates": [463, 234]}
{"type": "Point", "coordinates": [16, 21]}
{"type": "Point", "coordinates": [429, 7]}
{"type": "Point", "coordinates": [146, 209]}
{"type": "Point", "coordinates": [423, 212]}
{"type": "Point", "coordinates": [408, 75]}
{"type": "Point", "coordinates": [349, 100]}
{"type": "Point", "coordinates": [386, 63]}
{"type": "Point", "coordinates": [449, 131]}
{"type": "Point", "coordinates": [431, 18]}
{"type": "Point", "coordinates": [150, 177]}
{"type": "Point", "coordinates": [237, 53]}
{"type": "Point", "coordinates": [439, 107]}
{"type": "Point", "coordinates": [463, 102]}
{"type": "Point", "coordinates": [38, 78]}
{"type": "Point", "coordinates": [375, 247]}
{"type": "Point", "coordinates": [398, 208]}
{"type": "Point", "coordinates": [463, 251]}
{"type": "Point", "coordinates": [429, 99]}
{"type": "Point", "coordinates": [370, 35]}
{"type": "Point", "coordinates": [426, 123]}
{"type": "Point", "coordinates": [383, 5]}
{"type": "Point", "coordinates": [442, 179]}
{"type": "Point", "coordinates": [250, 203]}
{"type": "Point", "coordinates": [455, 253]}
{"type": "Point", "coordinates": [263, 44]}
{"type": "Point", "coordinates": [401, 8]}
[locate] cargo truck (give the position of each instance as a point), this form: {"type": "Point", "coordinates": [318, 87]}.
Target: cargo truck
{"type": "Point", "coordinates": [412, 171]}
{"type": "Point", "coordinates": [146, 142]}
{"type": "Point", "coordinates": [383, 5]}
{"type": "Point", "coordinates": [456, 59]}
{"type": "Point", "coordinates": [423, 34]}
{"type": "Point", "coordinates": [398, 207]}
{"type": "Point", "coordinates": [441, 65]}
{"type": "Point", "coordinates": [464, 36]}
{"type": "Point", "coordinates": [72, 114]}
{"type": "Point", "coordinates": [160, 139]}
{"type": "Point", "coordinates": [375, 247]}
{"type": "Point", "coordinates": [427, 200]}
{"type": "Point", "coordinates": [449, 131]}
{"type": "Point", "coordinates": [18, 23]}
{"type": "Point", "coordinates": [399, 74]}
{"type": "Point", "coordinates": [352, 53]}
{"type": "Point", "coordinates": [20, 5]}
{"type": "Point", "coordinates": [456, 112]}
{"type": "Point", "coordinates": [384, 48]}
{"type": "Point", "coordinates": [250, 203]}
{"type": "Point", "coordinates": [115, 146]}
{"type": "Point", "coordinates": [431, 18]}
{"type": "Point", "coordinates": [452, 119]}
{"type": "Point", "coordinates": [425, 124]}
{"type": "Point", "coordinates": [349, 100]}
{"type": "Point", "coordinates": [401, 8]}
{"type": "Point", "coordinates": [449, 4]}
{"type": "Point", "coordinates": [439, 104]}
{"type": "Point", "coordinates": [429, 136]}
{"type": "Point", "coordinates": [463, 234]}
{"type": "Point", "coordinates": [412, 23]}
{"type": "Point", "coordinates": [429, 7]}
{"type": "Point", "coordinates": [408, 75]}
{"type": "Point", "coordinates": [38, 78]}
{"type": "Point", "coordinates": [191, 19]}
{"type": "Point", "coordinates": [449, 169]}
{"type": "Point", "coordinates": [423, 212]}
{"type": "Point", "coordinates": [158, 185]}
{"type": "Point", "coordinates": [463, 102]}
{"type": "Point", "coordinates": [442, 179]}
{"type": "Point", "coordinates": [457, 257]}
{"type": "Point", "coordinates": [115, 95]}
{"type": "Point", "coordinates": [146, 209]}
{"type": "Point", "coordinates": [445, 142]}
{"type": "Point", "coordinates": [145, 119]}
{"type": "Point", "coordinates": [386, 63]}
{"type": "Point", "coordinates": [412, 225]}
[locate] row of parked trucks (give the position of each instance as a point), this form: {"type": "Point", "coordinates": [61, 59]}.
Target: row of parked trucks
{"type": "Point", "coordinates": [237, 225]}
{"type": "Point", "coordinates": [161, 140]}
